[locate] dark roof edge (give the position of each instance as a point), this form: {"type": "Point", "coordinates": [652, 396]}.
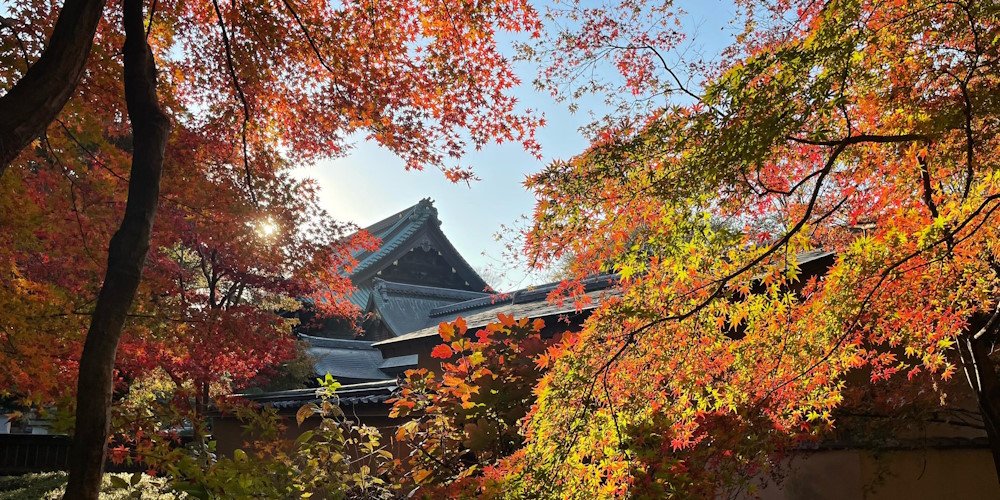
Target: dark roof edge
{"type": "Point", "coordinates": [346, 390]}
{"type": "Point", "coordinates": [899, 445]}
{"type": "Point", "coordinates": [393, 219]}
{"type": "Point", "coordinates": [432, 331]}
{"type": "Point", "coordinates": [337, 343]}
{"type": "Point", "coordinates": [530, 294]}
{"type": "Point", "coordinates": [425, 291]}
{"type": "Point", "coordinates": [433, 231]}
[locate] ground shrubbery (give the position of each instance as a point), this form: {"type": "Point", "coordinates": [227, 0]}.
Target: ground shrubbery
{"type": "Point", "coordinates": [120, 486]}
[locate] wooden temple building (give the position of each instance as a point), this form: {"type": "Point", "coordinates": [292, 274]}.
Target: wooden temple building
{"type": "Point", "coordinates": [417, 279]}
{"type": "Point", "coordinates": [413, 282]}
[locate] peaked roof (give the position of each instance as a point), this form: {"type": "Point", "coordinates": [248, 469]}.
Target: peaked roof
{"type": "Point", "coordinates": [530, 302]}
{"type": "Point", "coordinates": [415, 226]}
{"type": "Point", "coordinates": [405, 308]}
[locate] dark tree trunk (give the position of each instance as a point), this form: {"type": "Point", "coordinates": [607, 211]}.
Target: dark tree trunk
{"type": "Point", "coordinates": [982, 376]}
{"type": "Point", "coordinates": [126, 258]}
{"type": "Point", "coordinates": [28, 108]}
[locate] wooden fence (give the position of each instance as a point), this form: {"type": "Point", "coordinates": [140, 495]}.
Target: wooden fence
{"type": "Point", "coordinates": [26, 453]}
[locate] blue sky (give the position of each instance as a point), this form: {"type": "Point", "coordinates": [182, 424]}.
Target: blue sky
{"type": "Point", "coordinates": [370, 183]}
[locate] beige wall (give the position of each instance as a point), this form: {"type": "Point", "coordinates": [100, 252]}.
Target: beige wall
{"type": "Point", "coordinates": [907, 474]}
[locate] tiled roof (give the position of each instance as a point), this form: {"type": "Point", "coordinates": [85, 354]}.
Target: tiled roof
{"type": "Point", "coordinates": [813, 256]}
{"type": "Point", "coordinates": [394, 231]}
{"type": "Point", "coordinates": [399, 363]}
{"type": "Point", "coordinates": [345, 359]}
{"type": "Point", "coordinates": [527, 303]}
{"type": "Point", "coordinates": [399, 230]}
{"type": "Point", "coordinates": [532, 303]}
{"type": "Point", "coordinates": [352, 394]}
{"type": "Point", "coordinates": [530, 294]}
{"type": "Point", "coordinates": [405, 308]}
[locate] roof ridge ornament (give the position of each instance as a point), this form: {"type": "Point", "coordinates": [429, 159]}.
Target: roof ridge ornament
{"type": "Point", "coordinates": [379, 286]}
{"type": "Point", "coordinates": [425, 243]}
{"type": "Point", "coordinates": [425, 206]}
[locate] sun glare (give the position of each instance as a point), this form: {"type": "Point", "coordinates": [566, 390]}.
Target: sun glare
{"type": "Point", "coordinates": [267, 228]}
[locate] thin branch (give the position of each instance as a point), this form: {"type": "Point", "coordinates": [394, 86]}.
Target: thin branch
{"type": "Point", "coordinates": [925, 183]}
{"type": "Point", "coordinates": [149, 26]}
{"type": "Point", "coordinates": [883, 277]}
{"type": "Point", "coordinates": [243, 100]}
{"type": "Point", "coordinates": [969, 140]}
{"type": "Point", "coordinates": [857, 139]}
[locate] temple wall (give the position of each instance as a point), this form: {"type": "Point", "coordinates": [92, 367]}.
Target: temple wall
{"type": "Point", "coordinates": [957, 473]}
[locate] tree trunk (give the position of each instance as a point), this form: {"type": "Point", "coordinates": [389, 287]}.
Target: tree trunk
{"type": "Point", "coordinates": [126, 258]}
{"type": "Point", "coordinates": [28, 108]}
{"type": "Point", "coordinates": [982, 376]}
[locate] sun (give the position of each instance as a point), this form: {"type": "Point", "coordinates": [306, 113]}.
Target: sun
{"type": "Point", "coordinates": [267, 228]}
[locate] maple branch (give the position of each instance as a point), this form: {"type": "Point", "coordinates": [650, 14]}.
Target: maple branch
{"type": "Point", "coordinates": [969, 140]}
{"type": "Point", "coordinates": [603, 371]}
{"type": "Point", "coordinates": [242, 97]}
{"type": "Point", "coordinates": [858, 139]}
{"type": "Point", "coordinates": [666, 67]}
{"type": "Point", "coordinates": [152, 10]}
{"type": "Point", "coordinates": [309, 38]}
{"type": "Point", "coordinates": [322, 59]}
{"type": "Point", "coordinates": [790, 191]}
{"type": "Point", "coordinates": [883, 277]}
{"type": "Point", "coordinates": [79, 222]}
{"type": "Point", "coordinates": [614, 415]}
{"type": "Point", "coordinates": [72, 195]}
{"type": "Point", "coordinates": [810, 206]}
{"type": "Point", "coordinates": [20, 43]}
{"type": "Point", "coordinates": [928, 190]}
{"type": "Point", "coordinates": [991, 325]}
{"type": "Point", "coordinates": [229, 299]}
{"type": "Point", "coordinates": [97, 161]}
{"type": "Point", "coordinates": [180, 279]}
{"type": "Point", "coordinates": [37, 98]}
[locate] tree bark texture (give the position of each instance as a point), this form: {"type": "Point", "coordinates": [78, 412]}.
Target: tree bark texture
{"type": "Point", "coordinates": [36, 99]}
{"type": "Point", "coordinates": [126, 258]}
{"type": "Point", "coordinates": [985, 383]}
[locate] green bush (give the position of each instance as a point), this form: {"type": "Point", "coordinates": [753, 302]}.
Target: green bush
{"type": "Point", "coordinates": [31, 486]}
{"type": "Point", "coordinates": [50, 486]}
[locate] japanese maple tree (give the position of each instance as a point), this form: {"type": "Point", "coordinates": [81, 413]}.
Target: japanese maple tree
{"type": "Point", "coordinates": [462, 419]}
{"type": "Point", "coordinates": [221, 100]}
{"type": "Point", "coordinates": [864, 129]}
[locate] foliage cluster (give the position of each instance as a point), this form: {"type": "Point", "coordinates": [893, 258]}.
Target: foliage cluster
{"type": "Point", "coordinates": [461, 420]}
{"type": "Point", "coordinates": [222, 101]}
{"type": "Point", "coordinates": [114, 486]}
{"type": "Point", "coordinates": [333, 456]}
{"type": "Point", "coordinates": [864, 131]}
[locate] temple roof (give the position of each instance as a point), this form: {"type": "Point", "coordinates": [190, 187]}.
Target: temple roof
{"type": "Point", "coordinates": [417, 226]}
{"type": "Point", "coordinates": [345, 360]}
{"type": "Point", "coordinates": [405, 308]}
{"type": "Point", "coordinates": [533, 302]}
{"type": "Point", "coordinates": [350, 394]}
{"type": "Point", "coordinates": [526, 303]}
